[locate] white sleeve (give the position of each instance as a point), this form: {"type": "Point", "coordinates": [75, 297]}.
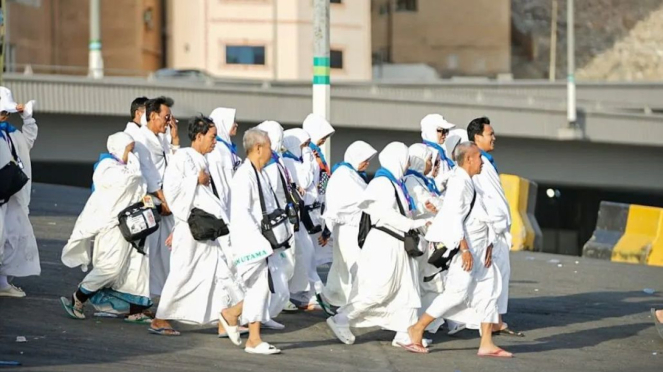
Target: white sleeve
{"type": "Point", "coordinates": [148, 168]}
{"type": "Point", "coordinates": [381, 209]}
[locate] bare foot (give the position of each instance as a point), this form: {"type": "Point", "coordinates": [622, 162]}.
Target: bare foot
{"type": "Point", "coordinates": [659, 315]}
{"type": "Point", "coordinates": [416, 335]}
{"type": "Point", "coordinates": [494, 351]}
{"type": "Point", "coordinates": [160, 323]}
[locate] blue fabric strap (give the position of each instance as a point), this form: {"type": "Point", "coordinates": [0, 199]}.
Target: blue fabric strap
{"type": "Point", "coordinates": [491, 160]}
{"type": "Point", "coordinates": [440, 150]}
{"type": "Point", "coordinates": [430, 183]}
{"type": "Point", "coordinates": [103, 156]}
{"type": "Point", "coordinates": [363, 175]}
{"type": "Point", "coordinates": [289, 155]}
{"type": "Point", "coordinates": [383, 172]}
{"type": "Point", "coordinates": [6, 127]}
{"type": "Point", "coordinates": [317, 149]}
{"type": "Point", "coordinates": [231, 146]}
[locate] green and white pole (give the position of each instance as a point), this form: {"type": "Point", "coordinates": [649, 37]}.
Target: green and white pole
{"type": "Point", "coordinates": [95, 60]}
{"type": "Point", "coordinates": [321, 86]}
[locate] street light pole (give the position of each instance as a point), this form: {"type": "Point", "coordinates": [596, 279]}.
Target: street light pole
{"type": "Point", "coordinates": [570, 57]}
{"type": "Point", "coordinates": [321, 65]}
{"type": "Point", "coordinates": [95, 60]}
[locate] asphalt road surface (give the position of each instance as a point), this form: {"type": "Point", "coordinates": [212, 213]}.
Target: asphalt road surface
{"type": "Point", "coordinates": [577, 314]}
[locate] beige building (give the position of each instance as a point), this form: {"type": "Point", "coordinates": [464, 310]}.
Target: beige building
{"type": "Point", "coordinates": [267, 39]}
{"type": "Point", "coordinates": [54, 37]}
{"type": "Point", "coordinates": [456, 37]}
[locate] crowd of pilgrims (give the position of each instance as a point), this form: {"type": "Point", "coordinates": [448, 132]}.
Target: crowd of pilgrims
{"type": "Point", "coordinates": [424, 243]}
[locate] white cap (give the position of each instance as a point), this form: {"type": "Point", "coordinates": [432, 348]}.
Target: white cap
{"type": "Point", "coordinates": [7, 102]}
{"type": "Point", "coordinates": [435, 121]}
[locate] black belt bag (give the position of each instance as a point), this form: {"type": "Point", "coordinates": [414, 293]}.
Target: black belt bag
{"type": "Point", "coordinates": [205, 226]}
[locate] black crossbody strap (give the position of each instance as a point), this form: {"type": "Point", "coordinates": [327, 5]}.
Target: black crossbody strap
{"type": "Point", "coordinates": [13, 148]}
{"type": "Point", "coordinates": [262, 198]}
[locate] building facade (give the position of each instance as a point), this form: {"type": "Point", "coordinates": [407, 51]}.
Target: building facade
{"type": "Point", "coordinates": [267, 39]}
{"type": "Point", "coordinates": [53, 37]}
{"type": "Point", "coordinates": [456, 37]}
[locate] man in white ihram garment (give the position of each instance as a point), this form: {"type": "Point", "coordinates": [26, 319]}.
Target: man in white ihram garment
{"type": "Point", "coordinates": [386, 292]}
{"type": "Point", "coordinates": [154, 152]}
{"type": "Point", "coordinates": [277, 175]}
{"type": "Point", "coordinates": [137, 112]}
{"type": "Point", "coordinates": [201, 288]}
{"type": "Point", "coordinates": [258, 232]}
{"type": "Point", "coordinates": [223, 161]}
{"type": "Point", "coordinates": [490, 189]}
{"type": "Point", "coordinates": [305, 284]}
{"type": "Point", "coordinates": [119, 281]}
{"type": "Point", "coordinates": [428, 202]}
{"type": "Point", "coordinates": [434, 131]}
{"type": "Point", "coordinates": [319, 130]}
{"type": "Point", "coordinates": [19, 252]}
{"type": "Point", "coordinates": [472, 284]}
{"type": "Point", "coordinates": [342, 216]}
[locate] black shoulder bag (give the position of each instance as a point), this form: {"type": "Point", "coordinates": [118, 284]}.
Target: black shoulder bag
{"type": "Point", "coordinates": [410, 239]}
{"type": "Point", "coordinates": [442, 256]}
{"type": "Point", "coordinates": [12, 177]}
{"type": "Point", "coordinates": [293, 206]}
{"type": "Point", "coordinates": [272, 221]}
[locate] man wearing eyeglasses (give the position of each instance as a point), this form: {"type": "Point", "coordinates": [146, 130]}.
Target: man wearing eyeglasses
{"type": "Point", "coordinates": [434, 131]}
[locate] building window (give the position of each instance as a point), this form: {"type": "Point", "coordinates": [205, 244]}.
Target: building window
{"type": "Point", "coordinates": [336, 59]}
{"type": "Point", "coordinates": [406, 5]}
{"type": "Point", "coordinates": [245, 55]}
{"type": "Point", "coordinates": [335, 1]}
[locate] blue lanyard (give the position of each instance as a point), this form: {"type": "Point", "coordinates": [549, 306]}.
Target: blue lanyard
{"type": "Point", "coordinates": [490, 159]}
{"type": "Point", "coordinates": [382, 172]}
{"type": "Point", "coordinates": [432, 187]}
{"type": "Point", "coordinates": [440, 150]}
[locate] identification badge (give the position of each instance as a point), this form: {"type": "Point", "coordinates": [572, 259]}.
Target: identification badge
{"type": "Point", "coordinates": [148, 202]}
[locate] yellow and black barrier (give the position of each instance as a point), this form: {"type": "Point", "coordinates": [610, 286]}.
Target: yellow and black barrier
{"type": "Point", "coordinates": [627, 233]}
{"type": "Point", "coordinates": [521, 195]}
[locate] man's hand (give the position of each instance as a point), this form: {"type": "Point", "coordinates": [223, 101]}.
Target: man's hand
{"type": "Point", "coordinates": [301, 190]}
{"type": "Point", "coordinates": [20, 107]}
{"type": "Point", "coordinates": [174, 134]}
{"type": "Point", "coordinates": [169, 241]}
{"type": "Point", "coordinates": [203, 178]}
{"type": "Point", "coordinates": [467, 260]}
{"type": "Point", "coordinates": [489, 256]}
{"type": "Point", "coordinates": [165, 211]}
{"type": "Point", "coordinates": [323, 240]}
{"type": "Point", "coordinates": [431, 208]}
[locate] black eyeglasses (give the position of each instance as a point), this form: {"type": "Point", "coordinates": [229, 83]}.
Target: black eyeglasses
{"type": "Point", "coordinates": [443, 131]}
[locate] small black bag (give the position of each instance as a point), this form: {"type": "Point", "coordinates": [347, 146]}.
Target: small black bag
{"type": "Point", "coordinates": [272, 221]}
{"type": "Point", "coordinates": [307, 221]}
{"type": "Point", "coordinates": [137, 222]}
{"type": "Point", "coordinates": [410, 239]}
{"type": "Point", "coordinates": [443, 256]}
{"type": "Point", "coordinates": [205, 226]}
{"type": "Point", "coordinates": [12, 177]}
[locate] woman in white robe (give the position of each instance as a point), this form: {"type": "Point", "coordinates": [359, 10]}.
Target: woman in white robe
{"type": "Point", "coordinates": [20, 256]}
{"type": "Point", "coordinates": [119, 280]}
{"type": "Point", "coordinates": [223, 161]}
{"type": "Point", "coordinates": [434, 132]}
{"type": "Point", "coordinates": [319, 130]}
{"type": "Point", "coordinates": [201, 288]}
{"type": "Point", "coordinates": [342, 215]}
{"type": "Point", "coordinates": [386, 292]}
{"type": "Point", "coordinates": [427, 200]}
{"type": "Point", "coordinates": [275, 170]}
{"type": "Point", "coordinates": [305, 283]}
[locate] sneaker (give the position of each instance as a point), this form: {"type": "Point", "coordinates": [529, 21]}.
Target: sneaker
{"type": "Point", "coordinates": [12, 291]}
{"type": "Point", "coordinates": [73, 307]}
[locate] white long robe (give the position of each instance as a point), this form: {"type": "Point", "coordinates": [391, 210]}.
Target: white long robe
{"type": "Point", "coordinates": [255, 258]}
{"type": "Point", "coordinates": [342, 216]}
{"type": "Point", "coordinates": [5, 158]}
{"type": "Point", "coordinates": [468, 297]}
{"type": "Point", "coordinates": [133, 130]}
{"type": "Point", "coordinates": [429, 133]}
{"type": "Point", "coordinates": [421, 195]}
{"type": "Point", "coordinates": [116, 265]}
{"type": "Point", "coordinates": [200, 283]}
{"type": "Point", "coordinates": [20, 256]}
{"type": "Point", "coordinates": [489, 187]}
{"type": "Point", "coordinates": [154, 153]}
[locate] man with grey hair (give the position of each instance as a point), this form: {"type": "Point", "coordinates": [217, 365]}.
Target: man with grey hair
{"type": "Point", "coordinates": [473, 284]}
{"type": "Point", "coordinates": [259, 234]}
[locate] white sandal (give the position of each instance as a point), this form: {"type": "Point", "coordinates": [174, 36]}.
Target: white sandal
{"type": "Point", "coordinates": [263, 349]}
{"type": "Point", "coordinates": [231, 331]}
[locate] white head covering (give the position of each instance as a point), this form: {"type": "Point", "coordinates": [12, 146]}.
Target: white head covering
{"type": "Point", "coordinates": [358, 152]}
{"type": "Point", "coordinates": [317, 127]}
{"type": "Point", "coordinates": [224, 119]}
{"type": "Point", "coordinates": [274, 132]}
{"type": "Point", "coordinates": [143, 120]}
{"type": "Point", "coordinates": [431, 123]}
{"type": "Point", "coordinates": [293, 140]}
{"type": "Point", "coordinates": [117, 143]}
{"type": "Point", "coordinates": [7, 102]}
{"type": "Point", "coordinates": [419, 154]}
{"type": "Point", "coordinates": [394, 158]}
{"type": "Point", "coordinates": [455, 137]}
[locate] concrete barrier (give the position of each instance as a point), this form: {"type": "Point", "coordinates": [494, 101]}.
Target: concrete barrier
{"type": "Point", "coordinates": [610, 226]}
{"type": "Point", "coordinates": [525, 230]}
{"type": "Point", "coordinates": [642, 230]}
{"type": "Point", "coordinates": [656, 255]}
